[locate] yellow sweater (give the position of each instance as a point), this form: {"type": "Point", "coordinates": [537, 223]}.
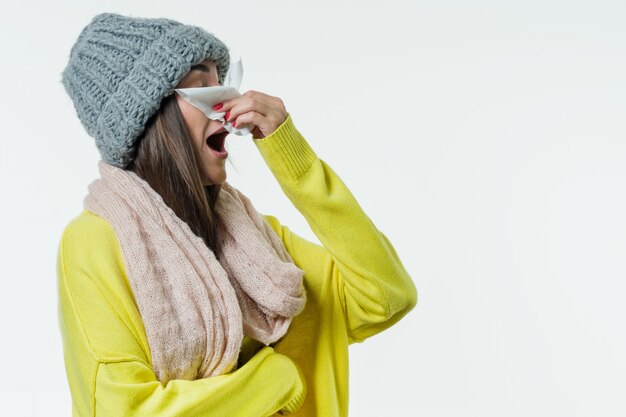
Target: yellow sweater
{"type": "Point", "coordinates": [356, 287]}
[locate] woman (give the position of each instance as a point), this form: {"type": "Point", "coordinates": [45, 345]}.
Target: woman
{"type": "Point", "coordinates": [176, 297]}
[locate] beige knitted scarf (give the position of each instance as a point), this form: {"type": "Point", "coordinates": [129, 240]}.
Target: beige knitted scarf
{"type": "Point", "coordinates": [196, 307]}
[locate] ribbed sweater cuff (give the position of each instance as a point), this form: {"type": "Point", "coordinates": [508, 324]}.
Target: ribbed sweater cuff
{"type": "Point", "coordinates": [286, 152]}
{"type": "Point", "coordinates": [294, 405]}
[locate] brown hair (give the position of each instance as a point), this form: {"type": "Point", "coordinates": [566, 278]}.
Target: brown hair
{"type": "Point", "coordinates": [166, 158]}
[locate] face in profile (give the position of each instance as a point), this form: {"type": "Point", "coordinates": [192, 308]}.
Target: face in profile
{"type": "Point", "coordinates": [208, 135]}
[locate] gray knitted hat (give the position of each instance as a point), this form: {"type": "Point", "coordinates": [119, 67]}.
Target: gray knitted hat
{"type": "Point", "coordinates": [121, 68]}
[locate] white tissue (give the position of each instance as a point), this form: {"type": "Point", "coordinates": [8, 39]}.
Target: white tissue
{"type": "Point", "coordinates": [204, 98]}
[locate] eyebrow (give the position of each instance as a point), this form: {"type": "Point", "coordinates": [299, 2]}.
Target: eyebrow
{"type": "Point", "coordinates": [200, 67]}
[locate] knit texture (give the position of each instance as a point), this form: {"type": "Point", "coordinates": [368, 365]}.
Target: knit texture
{"type": "Point", "coordinates": [121, 68]}
{"type": "Point", "coordinates": [196, 307]}
{"type": "Point", "coordinates": [356, 287]}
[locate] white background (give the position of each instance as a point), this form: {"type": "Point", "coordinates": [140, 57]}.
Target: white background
{"type": "Point", "coordinates": [485, 138]}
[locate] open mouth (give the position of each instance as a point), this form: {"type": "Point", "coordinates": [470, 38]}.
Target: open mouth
{"type": "Point", "coordinates": [216, 141]}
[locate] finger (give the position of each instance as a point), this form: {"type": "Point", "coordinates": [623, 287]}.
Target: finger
{"type": "Point", "coordinates": [267, 100]}
{"type": "Point", "coordinates": [248, 104]}
{"type": "Point", "coordinates": [250, 120]}
{"type": "Point", "coordinates": [262, 126]}
{"type": "Point", "coordinates": [252, 94]}
{"type": "Point", "coordinates": [228, 104]}
{"type": "Point", "coordinates": [257, 101]}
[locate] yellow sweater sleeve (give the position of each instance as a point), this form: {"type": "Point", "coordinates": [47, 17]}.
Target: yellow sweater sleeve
{"type": "Point", "coordinates": [108, 361]}
{"type": "Point", "coordinates": [362, 283]}
{"type": "Point", "coordinates": [374, 288]}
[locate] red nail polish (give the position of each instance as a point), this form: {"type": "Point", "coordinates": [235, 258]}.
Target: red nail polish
{"type": "Point", "coordinates": [218, 106]}
{"type": "Point", "coordinates": [227, 114]}
{"type": "Point", "coordinates": [234, 124]}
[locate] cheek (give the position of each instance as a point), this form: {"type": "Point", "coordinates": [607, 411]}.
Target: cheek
{"type": "Point", "coordinates": [193, 117]}
{"type": "Point", "coordinates": [186, 109]}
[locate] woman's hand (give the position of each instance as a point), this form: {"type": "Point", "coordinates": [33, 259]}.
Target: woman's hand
{"type": "Point", "coordinates": [259, 112]}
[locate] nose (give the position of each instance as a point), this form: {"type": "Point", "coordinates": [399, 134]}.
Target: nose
{"type": "Point", "coordinates": [215, 126]}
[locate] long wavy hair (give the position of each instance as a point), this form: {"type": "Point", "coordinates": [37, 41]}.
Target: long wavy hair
{"type": "Point", "coordinates": [166, 158]}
